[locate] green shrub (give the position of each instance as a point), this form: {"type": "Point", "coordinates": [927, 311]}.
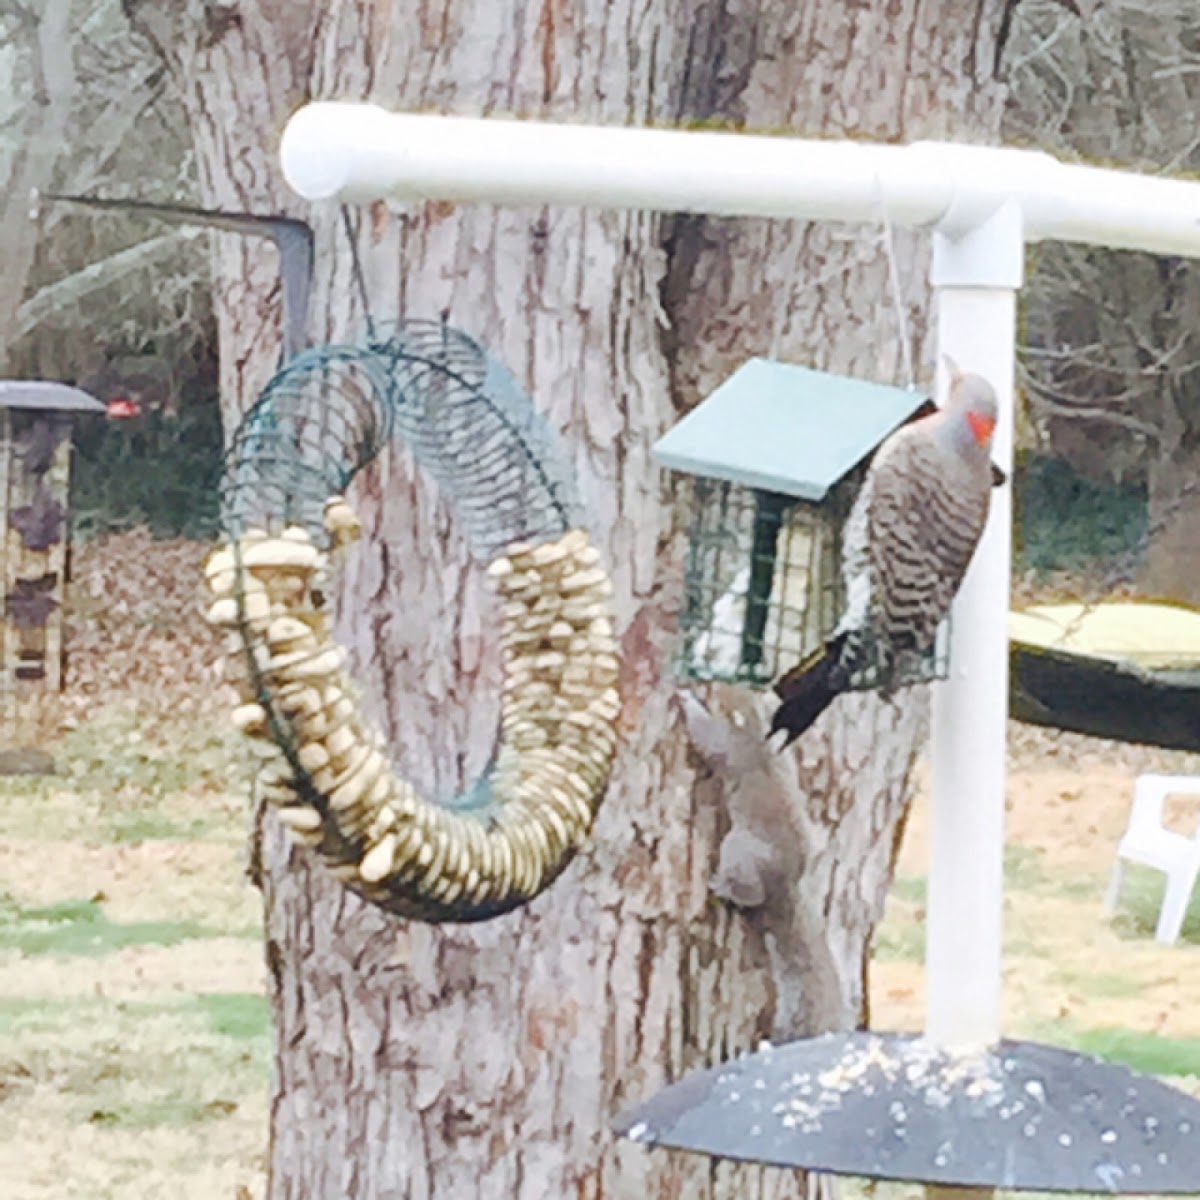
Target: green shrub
{"type": "Point", "coordinates": [160, 471]}
{"type": "Point", "coordinates": [1065, 521]}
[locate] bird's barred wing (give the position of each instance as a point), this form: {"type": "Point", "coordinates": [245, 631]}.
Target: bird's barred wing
{"type": "Point", "coordinates": [924, 521]}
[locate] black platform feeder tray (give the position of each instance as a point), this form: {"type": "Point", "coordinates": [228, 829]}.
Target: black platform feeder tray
{"type": "Point", "coordinates": [1014, 1115]}
{"type": "Point", "coordinates": [1100, 698]}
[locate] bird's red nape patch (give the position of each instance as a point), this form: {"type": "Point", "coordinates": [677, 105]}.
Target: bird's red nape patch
{"type": "Point", "coordinates": [982, 427]}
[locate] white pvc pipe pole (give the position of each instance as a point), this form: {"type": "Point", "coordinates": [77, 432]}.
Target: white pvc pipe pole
{"type": "Point", "coordinates": [358, 152]}
{"type": "Point", "coordinates": [976, 278]}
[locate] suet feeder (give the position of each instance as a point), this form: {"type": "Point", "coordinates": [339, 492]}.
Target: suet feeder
{"type": "Point", "coordinates": [35, 470]}
{"type": "Point", "coordinates": [775, 457]}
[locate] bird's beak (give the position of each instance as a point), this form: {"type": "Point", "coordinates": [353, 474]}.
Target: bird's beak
{"type": "Point", "coordinates": [982, 427]}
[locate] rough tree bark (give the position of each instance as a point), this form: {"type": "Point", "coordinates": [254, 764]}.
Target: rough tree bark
{"type": "Point", "coordinates": [241, 69]}
{"type": "Point", "coordinates": [1172, 568]}
{"type": "Point", "coordinates": [488, 1061]}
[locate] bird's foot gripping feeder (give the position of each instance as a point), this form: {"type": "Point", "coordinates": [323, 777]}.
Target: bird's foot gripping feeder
{"type": "Point", "coordinates": [1015, 1115]}
{"type": "Point", "coordinates": [324, 418]}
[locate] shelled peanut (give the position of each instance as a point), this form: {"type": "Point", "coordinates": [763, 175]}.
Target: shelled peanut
{"type": "Point", "coordinates": [559, 709]}
{"type": "Point", "coordinates": [262, 588]}
{"type": "Point", "coordinates": [560, 703]}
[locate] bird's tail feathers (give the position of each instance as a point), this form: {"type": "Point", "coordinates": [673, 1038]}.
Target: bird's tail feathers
{"type": "Point", "coordinates": [807, 690]}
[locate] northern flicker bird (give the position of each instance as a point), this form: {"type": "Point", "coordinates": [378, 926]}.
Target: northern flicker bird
{"type": "Point", "coordinates": [908, 542]}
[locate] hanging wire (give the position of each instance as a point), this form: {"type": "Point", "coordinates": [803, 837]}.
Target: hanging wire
{"type": "Point", "coordinates": [356, 268]}
{"type": "Point", "coordinates": [902, 331]}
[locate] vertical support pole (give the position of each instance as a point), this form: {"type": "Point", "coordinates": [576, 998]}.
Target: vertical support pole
{"type": "Point", "coordinates": [976, 277]}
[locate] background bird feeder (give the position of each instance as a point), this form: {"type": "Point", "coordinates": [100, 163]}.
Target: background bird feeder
{"type": "Point", "coordinates": [776, 456]}
{"type": "Point", "coordinates": [35, 472]}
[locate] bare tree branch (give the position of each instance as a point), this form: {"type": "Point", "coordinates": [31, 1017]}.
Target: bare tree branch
{"type": "Point", "coordinates": [1104, 415]}
{"type": "Point", "coordinates": [97, 276]}
{"type": "Point", "coordinates": [38, 148]}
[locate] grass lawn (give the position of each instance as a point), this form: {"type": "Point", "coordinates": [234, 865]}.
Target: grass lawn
{"type": "Point", "coordinates": [134, 1044]}
{"type": "Point", "coordinates": [1072, 975]}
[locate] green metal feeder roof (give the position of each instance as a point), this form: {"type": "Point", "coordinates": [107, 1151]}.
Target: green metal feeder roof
{"type": "Point", "coordinates": [783, 428]}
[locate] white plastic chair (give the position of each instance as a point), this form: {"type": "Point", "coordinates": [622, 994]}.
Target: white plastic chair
{"type": "Point", "coordinates": [1146, 840]}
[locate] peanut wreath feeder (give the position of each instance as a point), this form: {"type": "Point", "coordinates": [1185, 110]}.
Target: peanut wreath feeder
{"type": "Point", "coordinates": [322, 419]}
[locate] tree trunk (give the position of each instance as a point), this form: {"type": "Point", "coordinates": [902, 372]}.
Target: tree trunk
{"type": "Point", "coordinates": [1173, 556]}
{"type": "Point", "coordinates": [489, 1061]}
{"type": "Point", "coordinates": [241, 69]}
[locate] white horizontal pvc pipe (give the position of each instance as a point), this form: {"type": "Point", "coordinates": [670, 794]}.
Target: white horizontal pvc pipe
{"type": "Point", "coordinates": [359, 152]}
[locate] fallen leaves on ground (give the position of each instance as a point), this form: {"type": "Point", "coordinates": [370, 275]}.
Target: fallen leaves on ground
{"type": "Point", "coordinates": [135, 627]}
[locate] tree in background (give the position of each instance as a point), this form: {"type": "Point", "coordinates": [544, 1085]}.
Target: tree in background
{"type": "Point", "coordinates": [35, 108]}
{"type": "Point", "coordinates": [1110, 367]}
{"type": "Point", "coordinates": [87, 108]}
{"type": "Point", "coordinates": [445, 1062]}
{"type": "Point", "coordinates": [118, 304]}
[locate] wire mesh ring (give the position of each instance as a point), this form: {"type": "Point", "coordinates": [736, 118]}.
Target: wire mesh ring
{"type": "Point", "coordinates": [326, 772]}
